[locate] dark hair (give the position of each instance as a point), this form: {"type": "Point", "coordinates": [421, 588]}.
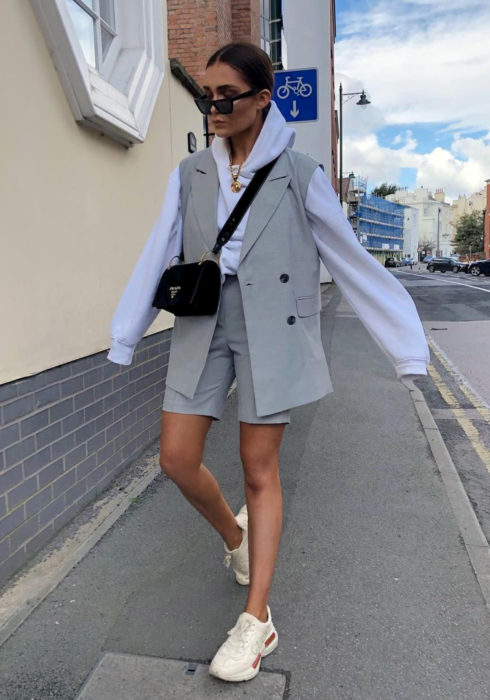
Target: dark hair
{"type": "Point", "coordinates": [253, 63]}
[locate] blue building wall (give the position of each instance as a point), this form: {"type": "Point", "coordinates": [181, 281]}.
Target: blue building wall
{"type": "Point", "coordinates": [380, 226]}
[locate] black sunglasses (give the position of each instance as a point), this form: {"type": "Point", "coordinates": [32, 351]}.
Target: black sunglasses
{"type": "Point", "coordinates": [224, 106]}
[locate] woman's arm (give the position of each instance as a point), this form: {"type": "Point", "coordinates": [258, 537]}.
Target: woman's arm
{"type": "Point", "coordinates": [380, 301]}
{"type": "Point", "coordinates": [135, 313]}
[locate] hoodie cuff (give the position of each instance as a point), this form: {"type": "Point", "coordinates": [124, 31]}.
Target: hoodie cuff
{"type": "Point", "coordinates": [410, 367]}
{"type": "Point", "coordinates": [120, 354]}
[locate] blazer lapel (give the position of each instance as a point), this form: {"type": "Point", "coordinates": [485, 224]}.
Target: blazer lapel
{"type": "Point", "coordinates": [204, 197]}
{"type": "Point", "coordinates": [265, 204]}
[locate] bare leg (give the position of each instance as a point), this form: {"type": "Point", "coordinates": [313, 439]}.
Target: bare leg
{"type": "Point", "coordinates": [181, 449]}
{"type": "Point", "coordinates": [259, 447]}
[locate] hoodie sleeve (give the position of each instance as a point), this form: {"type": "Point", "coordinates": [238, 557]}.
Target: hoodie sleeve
{"type": "Point", "coordinates": [135, 313]}
{"type": "Point", "coordinates": [379, 300]}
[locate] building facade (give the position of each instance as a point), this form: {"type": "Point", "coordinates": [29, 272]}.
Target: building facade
{"type": "Point", "coordinates": [434, 216]}
{"type": "Point", "coordinates": [381, 226]}
{"type": "Point", "coordinates": [309, 34]}
{"type": "Point", "coordinates": [476, 202]}
{"type": "Point", "coordinates": [486, 236]}
{"type": "Point", "coordinates": [410, 232]}
{"type": "Point", "coordinates": [98, 110]}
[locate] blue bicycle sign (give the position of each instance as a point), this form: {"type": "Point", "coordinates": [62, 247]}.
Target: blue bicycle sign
{"type": "Point", "coordinates": [296, 94]}
{"type": "Point", "coordinates": [298, 87]}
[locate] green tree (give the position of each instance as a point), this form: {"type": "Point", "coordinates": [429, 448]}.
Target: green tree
{"type": "Point", "coordinates": [469, 233]}
{"type": "Point", "coordinates": [384, 189]}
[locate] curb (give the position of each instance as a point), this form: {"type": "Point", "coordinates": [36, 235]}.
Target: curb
{"type": "Point", "coordinates": [473, 537]}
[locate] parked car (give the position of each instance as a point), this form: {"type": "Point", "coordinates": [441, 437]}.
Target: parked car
{"type": "Point", "coordinates": [460, 266]}
{"type": "Point", "coordinates": [428, 258]}
{"type": "Point", "coordinates": [392, 262]}
{"type": "Point", "coordinates": [408, 261]}
{"type": "Point", "coordinates": [441, 264]}
{"type": "Point", "coordinates": [479, 267]}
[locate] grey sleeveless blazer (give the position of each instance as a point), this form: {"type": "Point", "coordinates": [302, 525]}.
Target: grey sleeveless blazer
{"type": "Point", "coordinates": [279, 277]}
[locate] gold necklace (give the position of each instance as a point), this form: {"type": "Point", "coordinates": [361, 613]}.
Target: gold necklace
{"type": "Point", "coordinates": [236, 186]}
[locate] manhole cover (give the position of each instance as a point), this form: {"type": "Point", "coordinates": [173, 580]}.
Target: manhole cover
{"type": "Point", "coordinates": [128, 677]}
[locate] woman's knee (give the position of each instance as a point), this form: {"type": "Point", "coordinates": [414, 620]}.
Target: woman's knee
{"type": "Point", "coordinates": [178, 463]}
{"type": "Point", "coordinates": [260, 472]}
{"type": "Point", "coordinates": [181, 446]}
{"type": "Point", "coordinates": [170, 461]}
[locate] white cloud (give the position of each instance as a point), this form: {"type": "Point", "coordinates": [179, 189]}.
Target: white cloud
{"type": "Point", "coordinates": [420, 62]}
{"type": "Point", "coordinates": [438, 168]}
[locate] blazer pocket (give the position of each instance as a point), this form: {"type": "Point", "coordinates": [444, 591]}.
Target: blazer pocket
{"type": "Point", "coordinates": [307, 306]}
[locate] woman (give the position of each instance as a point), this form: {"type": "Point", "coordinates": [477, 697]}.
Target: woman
{"type": "Point", "coordinates": [266, 332]}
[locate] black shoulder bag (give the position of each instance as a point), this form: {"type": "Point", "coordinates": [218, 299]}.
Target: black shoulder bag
{"type": "Point", "coordinates": [194, 289]}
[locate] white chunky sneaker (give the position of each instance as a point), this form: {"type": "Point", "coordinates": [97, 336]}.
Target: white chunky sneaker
{"type": "Point", "coordinates": [238, 558]}
{"type": "Point", "coordinates": [238, 659]}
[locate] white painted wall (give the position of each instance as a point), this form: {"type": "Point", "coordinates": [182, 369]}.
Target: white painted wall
{"type": "Point", "coordinates": [422, 200]}
{"type": "Point", "coordinates": [410, 232]}
{"type": "Point", "coordinates": [76, 207]}
{"type": "Point", "coordinates": [307, 34]}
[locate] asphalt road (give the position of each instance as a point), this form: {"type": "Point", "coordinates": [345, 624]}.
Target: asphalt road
{"type": "Point", "coordinates": [455, 311]}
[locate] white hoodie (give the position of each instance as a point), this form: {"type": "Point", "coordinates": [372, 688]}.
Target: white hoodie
{"type": "Point", "coordinates": [380, 301]}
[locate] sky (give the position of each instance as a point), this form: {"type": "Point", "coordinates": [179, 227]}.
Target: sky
{"type": "Point", "coordinates": [425, 67]}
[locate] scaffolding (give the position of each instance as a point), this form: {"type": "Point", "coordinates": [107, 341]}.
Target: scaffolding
{"type": "Point", "coordinates": [379, 226]}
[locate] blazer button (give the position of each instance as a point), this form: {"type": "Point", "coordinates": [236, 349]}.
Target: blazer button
{"type": "Point", "coordinates": [291, 320]}
{"type": "Point", "coordinates": [284, 278]}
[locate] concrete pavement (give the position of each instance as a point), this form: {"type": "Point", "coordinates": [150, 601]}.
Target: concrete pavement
{"type": "Point", "coordinates": [374, 598]}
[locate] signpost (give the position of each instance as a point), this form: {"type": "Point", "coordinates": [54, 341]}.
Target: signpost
{"type": "Point", "coordinates": [296, 94]}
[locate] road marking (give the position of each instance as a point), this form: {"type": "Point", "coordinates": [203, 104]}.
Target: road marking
{"type": "Point", "coordinates": [459, 413]}
{"type": "Point", "coordinates": [471, 531]}
{"type": "Point", "coordinates": [461, 284]}
{"type": "Point", "coordinates": [467, 390]}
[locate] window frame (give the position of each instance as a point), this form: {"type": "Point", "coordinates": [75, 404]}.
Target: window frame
{"type": "Point", "coordinates": [118, 100]}
{"type": "Point", "coordinates": [104, 63]}
{"type": "Point", "coordinates": [271, 16]}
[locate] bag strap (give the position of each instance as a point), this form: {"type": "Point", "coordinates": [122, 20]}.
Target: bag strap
{"type": "Point", "coordinates": [242, 205]}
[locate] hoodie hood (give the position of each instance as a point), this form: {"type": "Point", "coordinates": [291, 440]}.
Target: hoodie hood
{"type": "Point", "coordinates": [273, 139]}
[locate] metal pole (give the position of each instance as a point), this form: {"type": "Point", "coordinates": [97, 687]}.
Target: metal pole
{"type": "Point", "coordinates": [341, 194]}
{"type": "Point", "coordinates": [207, 133]}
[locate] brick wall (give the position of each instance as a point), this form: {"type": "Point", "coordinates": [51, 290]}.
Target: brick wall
{"type": "Point", "coordinates": [65, 434]}
{"type": "Point", "coordinates": [197, 28]}
{"type": "Point", "coordinates": [224, 24]}
{"type": "Point", "coordinates": [246, 20]}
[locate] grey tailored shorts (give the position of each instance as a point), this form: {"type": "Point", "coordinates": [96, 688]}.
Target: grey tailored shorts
{"type": "Point", "coordinates": [228, 358]}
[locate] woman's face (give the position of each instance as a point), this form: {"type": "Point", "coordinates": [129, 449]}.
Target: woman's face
{"type": "Point", "coordinates": [221, 80]}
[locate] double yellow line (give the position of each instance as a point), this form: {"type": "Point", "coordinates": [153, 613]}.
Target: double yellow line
{"type": "Point", "coordinates": [466, 423]}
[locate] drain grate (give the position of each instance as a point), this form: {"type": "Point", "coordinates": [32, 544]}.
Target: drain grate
{"type": "Point", "coordinates": [129, 677]}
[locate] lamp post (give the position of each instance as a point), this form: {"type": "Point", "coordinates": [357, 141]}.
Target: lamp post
{"type": "Point", "coordinates": [363, 102]}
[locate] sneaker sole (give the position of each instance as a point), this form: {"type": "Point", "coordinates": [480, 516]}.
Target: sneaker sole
{"type": "Point", "coordinates": [242, 580]}
{"type": "Point", "coordinates": [254, 669]}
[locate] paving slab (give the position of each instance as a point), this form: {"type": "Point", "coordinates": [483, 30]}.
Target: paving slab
{"type": "Point", "coordinates": [130, 677]}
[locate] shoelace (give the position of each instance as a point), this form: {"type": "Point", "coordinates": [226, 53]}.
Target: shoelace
{"type": "Point", "coordinates": [240, 635]}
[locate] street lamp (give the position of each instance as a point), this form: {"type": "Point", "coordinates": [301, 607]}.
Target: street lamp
{"type": "Point", "coordinates": [363, 102]}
